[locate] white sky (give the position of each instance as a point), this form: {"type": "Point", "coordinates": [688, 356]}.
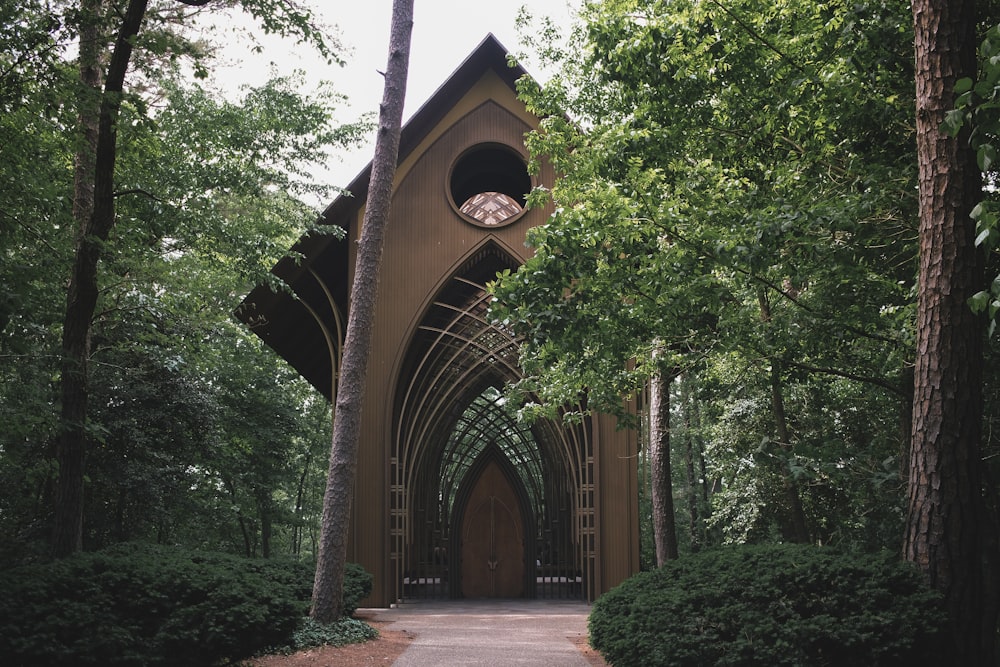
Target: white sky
{"type": "Point", "coordinates": [444, 33]}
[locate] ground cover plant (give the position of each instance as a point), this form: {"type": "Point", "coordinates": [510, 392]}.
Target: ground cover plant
{"type": "Point", "coordinates": [771, 605]}
{"type": "Point", "coordinates": [137, 604]}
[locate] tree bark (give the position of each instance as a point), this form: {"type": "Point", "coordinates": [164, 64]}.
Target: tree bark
{"type": "Point", "coordinates": [943, 534]}
{"type": "Point", "coordinates": [793, 524]}
{"type": "Point", "coordinates": [265, 514]}
{"type": "Point", "coordinates": [327, 603]}
{"type": "Point", "coordinates": [662, 496]}
{"type": "Point", "coordinates": [96, 197]}
{"type": "Point", "coordinates": [796, 529]}
{"type": "Point", "coordinates": [694, 515]}
{"type": "Point", "coordinates": [300, 494]}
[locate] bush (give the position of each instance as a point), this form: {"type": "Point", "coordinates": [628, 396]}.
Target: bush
{"type": "Point", "coordinates": [357, 586]}
{"type": "Point", "coordinates": [772, 605]}
{"type": "Point", "coordinates": [311, 633]}
{"type": "Point", "coordinates": [137, 604]}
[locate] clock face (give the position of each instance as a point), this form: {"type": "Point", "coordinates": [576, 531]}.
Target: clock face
{"type": "Point", "coordinates": [491, 208]}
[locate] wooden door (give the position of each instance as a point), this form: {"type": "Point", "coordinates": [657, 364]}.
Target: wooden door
{"type": "Point", "coordinates": [492, 547]}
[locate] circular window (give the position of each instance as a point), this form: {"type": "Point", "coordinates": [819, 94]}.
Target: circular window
{"type": "Point", "coordinates": [489, 185]}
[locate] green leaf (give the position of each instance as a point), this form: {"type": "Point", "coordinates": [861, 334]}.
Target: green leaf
{"type": "Point", "coordinates": [979, 301]}
{"type": "Point", "coordinates": [954, 119]}
{"type": "Point", "coordinates": [986, 156]}
{"type": "Point", "coordinates": [984, 89]}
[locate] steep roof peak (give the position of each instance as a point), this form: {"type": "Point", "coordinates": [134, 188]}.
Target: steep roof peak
{"type": "Point", "coordinates": [489, 54]}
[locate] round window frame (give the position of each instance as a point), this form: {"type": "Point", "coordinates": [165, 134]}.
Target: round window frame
{"type": "Point", "coordinates": [520, 198]}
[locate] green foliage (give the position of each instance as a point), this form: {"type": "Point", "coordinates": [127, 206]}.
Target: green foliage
{"type": "Point", "coordinates": [198, 434]}
{"type": "Point", "coordinates": [357, 586]}
{"type": "Point", "coordinates": [311, 633]}
{"type": "Point", "coordinates": [977, 110]}
{"type": "Point", "coordinates": [734, 192]}
{"type": "Point", "coordinates": [138, 604]}
{"type": "Point", "coordinates": [775, 605]}
{"type": "Point", "coordinates": [289, 19]}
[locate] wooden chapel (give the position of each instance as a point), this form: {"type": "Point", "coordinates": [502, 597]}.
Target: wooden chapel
{"type": "Point", "coordinates": [455, 498]}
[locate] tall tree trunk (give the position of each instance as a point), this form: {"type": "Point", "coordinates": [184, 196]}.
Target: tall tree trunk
{"type": "Point", "coordinates": [662, 496]}
{"type": "Point", "coordinates": [793, 525]}
{"type": "Point", "coordinates": [300, 495]}
{"type": "Point", "coordinates": [694, 514]}
{"type": "Point", "coordinates": [327, 603]}
{"type": "Point", "coordinates": [67, 528]}
{"type": "Point", "coordinates": [245, 530]}
{"type": "Point", "coordinates": [795, 528]}
{"type": "Point", "coordinates": [96, 195]}
{"type": "Point", "coordinates": [265, 513]}
{"type": "Point", "coordinates": [943, 534]}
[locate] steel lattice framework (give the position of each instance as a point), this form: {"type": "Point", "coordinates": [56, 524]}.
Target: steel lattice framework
{"type": "Point", "coordinates": [451, 409]}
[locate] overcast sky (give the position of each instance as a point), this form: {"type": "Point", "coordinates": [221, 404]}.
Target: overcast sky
{"type": "Point", "coordinates": [444, 33]}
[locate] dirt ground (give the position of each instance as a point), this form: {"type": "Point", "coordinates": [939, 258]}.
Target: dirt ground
{"type": "Point", "coordinates": [382, 651]}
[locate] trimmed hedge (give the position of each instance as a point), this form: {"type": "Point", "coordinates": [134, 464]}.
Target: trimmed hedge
{"type": "Point", "coordinates": [772, 605]}
{"type": "Point", "coordinates": [140, 604]}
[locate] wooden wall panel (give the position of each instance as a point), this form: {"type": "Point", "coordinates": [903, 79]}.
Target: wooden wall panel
{"type": "Point", "coordinates": [425, 241]}
{"type": "Point", "coordinates": [616, 460]}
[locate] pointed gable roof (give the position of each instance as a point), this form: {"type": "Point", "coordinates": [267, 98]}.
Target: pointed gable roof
{"type": "Point", "coordinates": [281, 320]}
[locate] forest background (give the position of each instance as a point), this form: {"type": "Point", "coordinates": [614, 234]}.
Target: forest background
{"type": "Point", "coordinates": [761, 240]}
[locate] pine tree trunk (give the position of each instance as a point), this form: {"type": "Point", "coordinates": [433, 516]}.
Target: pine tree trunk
{"type": "Point", "coordinates": [94, 206]}
{"type": "Point", "coordinates": [662, 496]}
{"type": "Point", "coordinates": [327, 603]}
{"type": "Point", "coordinates": [945, 511]}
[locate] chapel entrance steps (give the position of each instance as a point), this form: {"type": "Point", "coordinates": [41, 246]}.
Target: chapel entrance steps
{"type": "Point", "coordinates": [551, 583]}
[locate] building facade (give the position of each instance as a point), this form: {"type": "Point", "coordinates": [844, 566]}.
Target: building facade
{"type": "Point", "coordinates": [455, 498]}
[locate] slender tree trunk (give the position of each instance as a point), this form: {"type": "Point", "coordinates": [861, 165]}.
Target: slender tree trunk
{"type": "Point", "coordinates": [245, 529]}
{"type": "Point", "coordinates": [708, 487]}
{"type": "Point", "coordinates": [662, 496]}
{"type": "Point", "coordinates": [95, 194]}
{"type": "Point", "coordinates": [944, 533]}
{"type": "Point", "coordinates": [67, 528]}
{"type": "Point", "coordinates": [694, 515]}
{"type": "Point", "coordinates": [300, 506]}
{"type": "Point", "coordinates": [796, 528]}
{"type": "Point", "coordinates": [327, 603]}
{"type": "Point", "coordinates": [793, 526]}
{"type": "Point", "coordinates": [905, 421]}
{"type": "Point", "coordinates": [265, 514]}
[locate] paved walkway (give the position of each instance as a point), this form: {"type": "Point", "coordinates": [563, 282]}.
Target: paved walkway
{"type": "Point", "coordinates": [490, 632]}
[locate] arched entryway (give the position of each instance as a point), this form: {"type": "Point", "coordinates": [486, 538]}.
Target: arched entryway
{"type": "Point", "coordinates": [492, 540]}
{"type": "Point", "coordinates": [434, 389]}
{"type": "Point", "coordinates": [483, 505]}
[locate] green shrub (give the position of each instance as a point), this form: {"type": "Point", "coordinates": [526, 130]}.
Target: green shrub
{"type": "Point", "coordinates": [357, 586]}
{"type": "Point", "coordinates": [145, 605]}
{"type": "Point", "coordinates": [311, 633]}
{"type": "Point", "coordinates": [771, 605]}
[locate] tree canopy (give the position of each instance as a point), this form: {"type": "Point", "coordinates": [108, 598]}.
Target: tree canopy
{"type": "Point", "coordinates": [724, 198]}
{"type": "Point", "coordinates": [196, 433]}
{"type": "Point", "coordinates": [737, 205]}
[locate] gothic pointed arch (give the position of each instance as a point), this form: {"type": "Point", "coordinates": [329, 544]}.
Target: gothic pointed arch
{"type": "Point", "coordinates": [492, 539]}
{"type": "Point", "coordinates": [448, 410]}
{"type": "Point", "coordinates": [434, 396]}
